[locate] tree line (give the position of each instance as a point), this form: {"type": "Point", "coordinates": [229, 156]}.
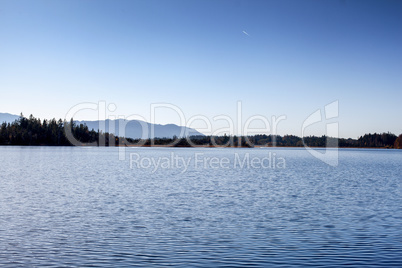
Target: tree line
{"type": "Point", "coordinates": [33, 131]}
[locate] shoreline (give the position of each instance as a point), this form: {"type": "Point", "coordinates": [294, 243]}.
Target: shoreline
{"type": "Point", "coordinates": [197, 146]}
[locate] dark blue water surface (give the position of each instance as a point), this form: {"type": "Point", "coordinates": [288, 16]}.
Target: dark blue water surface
{"type": "Point", "coordinates": [63, 207]}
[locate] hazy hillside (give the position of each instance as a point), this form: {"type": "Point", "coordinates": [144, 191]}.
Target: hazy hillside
{"type": "Point", "coordinates": [140, 129]}
{"type": "Point", "coordinates": [6, 117]}
{"type": "Point", "coordinates": [133, 129]}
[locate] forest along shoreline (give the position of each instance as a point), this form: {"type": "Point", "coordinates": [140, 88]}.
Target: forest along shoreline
{"type": "Point", "coordinates": [34, 132]}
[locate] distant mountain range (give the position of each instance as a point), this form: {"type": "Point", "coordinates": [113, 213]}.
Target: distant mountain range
{"type": "Point", "coordinates": [8, 118]}
{"type": "Point", "coordinates": [137, 129]}
{"type": "Point", "coordinates": [132, 129]}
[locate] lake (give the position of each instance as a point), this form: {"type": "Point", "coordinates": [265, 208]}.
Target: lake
{"type": "Point", "coordinates": [220, 207]}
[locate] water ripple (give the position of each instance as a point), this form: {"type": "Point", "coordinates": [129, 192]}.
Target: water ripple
{"type": "Point", "coordinates": [63, 207]}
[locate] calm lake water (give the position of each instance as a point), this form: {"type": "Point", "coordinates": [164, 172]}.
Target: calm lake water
{"type": "Point", "coordinates": [63, 207]}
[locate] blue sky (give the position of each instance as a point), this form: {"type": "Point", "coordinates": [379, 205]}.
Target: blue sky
{"type": "Point", "coordinates": [296, 57]}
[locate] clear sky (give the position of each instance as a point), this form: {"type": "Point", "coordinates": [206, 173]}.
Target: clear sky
{"type": "Point", "coordinates": [276, 57]}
